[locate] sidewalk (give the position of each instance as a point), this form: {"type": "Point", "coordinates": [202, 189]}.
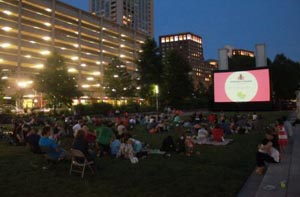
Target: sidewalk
{"type": "Point", "coordinates": [280, 179]}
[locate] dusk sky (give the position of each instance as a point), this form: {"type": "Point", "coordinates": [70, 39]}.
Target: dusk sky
{"type": "Point", "coordinates": [237, 23]}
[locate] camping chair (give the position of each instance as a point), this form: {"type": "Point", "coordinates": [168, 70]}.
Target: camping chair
{"type": "Point", "coordinates": [50, 161]}
{"type": "Point", "coordinates": [77, 154]}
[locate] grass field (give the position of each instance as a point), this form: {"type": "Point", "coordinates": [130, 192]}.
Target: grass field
{"type": "Point", "coordinates": [217, 171]}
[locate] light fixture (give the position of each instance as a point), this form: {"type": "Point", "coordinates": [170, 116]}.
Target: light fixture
{"type": "Point", "coordinates": [90, 78]}
{"type": "Point", "coordinates": [47, 24]}
{"type": "Point", "coordinates": [32, 41]}
{"type": "Point", "coordinates": [28, 56]}
{"type": "Point", "coordinates": [63, 48]}
{"type": "Point", "coordinates": [1, 60]}
{"type": "Point", "coordinates": [83, 65]}
{"type": "Point", "coordinates": [24, 84]}
{"type": "Point", "coordinates": [97, 73]}
{"type": "Point", "coordinates": [76, 45]}
{"type": "Point", "coordinates": [98, 62]}
{"type": "Point", "coordinates": [72, 70]}
{"type": "Point", "coordinates": [48, 9]}
{"type": "Point", "coordinates": [45, 52]}
{"type": "Point", "coordinates": [97, 85]}
{"type": "Point", "coordinates": [7, 12]}
{"type": "Point", "coordinates": [4, 77]}
{"type": "Point", "coordinates": [6, 28]}
{"type": "Point", "coordinates": [121, 56]}
{"type": "Point", "coordinates": [85, 86]}
{"type": "Point", "coordinates": [122, 45]}
{"type": "Point", "coordinates": [5, 45]}
{"type": "Point", "coordinates": [116, 76]}
{"type": "Point", "coordinates": [74, 58]}
{"type": "Point", "coordinates": [47, 38]}
{"type": "Point", "coordinates": [39, 66]}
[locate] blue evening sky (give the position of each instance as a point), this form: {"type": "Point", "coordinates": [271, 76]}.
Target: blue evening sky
{"type": "Point", "coordinates": [239, 23]}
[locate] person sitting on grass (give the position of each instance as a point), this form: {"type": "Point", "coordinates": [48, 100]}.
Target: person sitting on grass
{"type": "Point", "coordinates": [203, 134]}
{"type": "Point", "coordinates": [266, 152]}
{"type": "Point", "coordinates": [217, 133]}
{"type": "Point", "coordinates": [32, 139]}
{"type": "Point", "coordinates": [56, 152]}
{"type": "Point", "coordinates": [115, 146]}
{"type": "Point", "coordinates": [126, 150]}
{"type": "Point", "coordinates": [104, 135]}
{"type": "Point", "coordinates": [189, 146]}
{"type": "Point", "coordinates": [168, 146]}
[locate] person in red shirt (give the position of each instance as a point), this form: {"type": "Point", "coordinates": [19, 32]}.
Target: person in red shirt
{"type": "Point", "coordinates": [217, 133]}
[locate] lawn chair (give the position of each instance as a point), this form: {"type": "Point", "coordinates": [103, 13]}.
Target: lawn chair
{"type": "Point", "coordinates": [50, 161]}
{"type": "Point", "coordinates": [77, 154]}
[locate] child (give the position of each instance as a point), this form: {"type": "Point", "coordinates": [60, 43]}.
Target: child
{"type": "Point", "coordinates": [282, 136]}
{"type": "Point", "coordinates": [189, 145]}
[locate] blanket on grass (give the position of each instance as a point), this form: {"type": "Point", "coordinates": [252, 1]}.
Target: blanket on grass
{"type": "Point", "coordinates": [225, 142]}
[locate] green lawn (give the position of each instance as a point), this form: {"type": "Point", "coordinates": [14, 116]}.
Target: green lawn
{"type": "Point", "coordinates": [217, 171]}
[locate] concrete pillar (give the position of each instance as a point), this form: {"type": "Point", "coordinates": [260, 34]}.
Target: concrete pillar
{"type": "Point", "coordinates": [223, 59]}
{"type": "Point", "coordinates": [260, 55]}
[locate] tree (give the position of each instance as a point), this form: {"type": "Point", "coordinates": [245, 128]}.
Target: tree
{"type": "Point", "coordinates": [285, 77]}
{"type": "Point", "coordinates": [2, 85]}
{"type": "Point", "coordinates": [117, 80]}
{"type": "Point", "coordinates": [55, 82]}
{"type": "Point", "coordinates": [177, 84]}
{"type": "Point", "coordinates": [149, 67]}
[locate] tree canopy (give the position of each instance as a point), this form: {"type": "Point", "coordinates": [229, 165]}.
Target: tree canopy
{"type": "Point", "coordinates": [58, 86]}
{"type": "Point", "coordinates": [149, 67]}
{"type": "Point", "coordinates": [176, 79]}
{"type": "Point", "coordinates": [117, 80]}
{"type": "Point", "coordinates": [285, 77]}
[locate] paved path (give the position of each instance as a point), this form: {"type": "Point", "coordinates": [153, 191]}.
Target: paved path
{"type": "Point", "coordinates": [280, 179]}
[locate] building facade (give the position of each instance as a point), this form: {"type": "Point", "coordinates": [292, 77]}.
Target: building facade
{"type": "Point", "coordinates": [136, 14]}
{"type": "Point", "coordinates": [232, 51]}
{"type": "Point", "coordinates": [190, 47]}
{"type": "Point", "coordinates": [31, 29]}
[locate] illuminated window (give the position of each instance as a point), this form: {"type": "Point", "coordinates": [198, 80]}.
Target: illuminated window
{"type": "Point", "coordinates": [189, 37]}
{"type": "Point", "coordinates": [171, 38]}
{"type": "Point", "coordinates": [180, 37]}
{"type": "Point", "coordinates": [184, 37]}
{"type": "Point", "coordinates": [167, 39]}
{"type": "Point", "coordinates": [176, 38]}
{"type": "Point", "coordinates": [163, 40]}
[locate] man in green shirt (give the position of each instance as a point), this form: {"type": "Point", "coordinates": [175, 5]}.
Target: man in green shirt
{"type": "Point", "coordinates": [104, 136]}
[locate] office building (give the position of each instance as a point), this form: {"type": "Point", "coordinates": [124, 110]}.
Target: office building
{"type": "Point", "coordinates": [136, 14]}
{"type": "Point", "coordinates": [232, 51]}
{"type": "Point", "coordinates": [31, 29]}
{"type": "Point", "coordinates": [190, 47]}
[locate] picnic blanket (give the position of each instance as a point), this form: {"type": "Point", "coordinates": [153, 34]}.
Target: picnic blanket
{"type": "Point", "coordinates": [209, 142]}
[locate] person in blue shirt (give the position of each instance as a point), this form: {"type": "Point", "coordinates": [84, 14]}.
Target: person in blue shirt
{"type": "Point", "coordinates": [56, 152]}
{"type": "Point", "coordinates": [115, 147]}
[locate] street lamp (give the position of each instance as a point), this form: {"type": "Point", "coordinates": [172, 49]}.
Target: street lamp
{"type": "Point", "coordinates": [156, 90]}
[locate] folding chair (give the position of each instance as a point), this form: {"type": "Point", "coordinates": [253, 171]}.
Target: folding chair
{"type": "Point", "coordinates": [77, 154]}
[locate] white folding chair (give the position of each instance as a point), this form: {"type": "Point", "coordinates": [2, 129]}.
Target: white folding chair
{"type": "Point", "coordinates": [77, 155]}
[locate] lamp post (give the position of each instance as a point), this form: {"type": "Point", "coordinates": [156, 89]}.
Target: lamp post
{"type": "Point", "coordinates": [156, 90]}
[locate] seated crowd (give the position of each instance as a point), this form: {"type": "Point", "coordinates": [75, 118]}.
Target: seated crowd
{"type": "Point", "coordinates": [98, 137]}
